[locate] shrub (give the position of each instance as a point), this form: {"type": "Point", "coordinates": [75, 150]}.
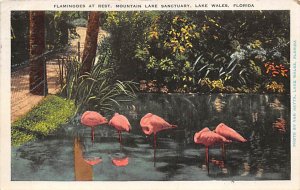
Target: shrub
{"type": "Point", "coordinates": [127, 30]}
{"type": "Point", "coordinates": [19, 137]}
{"type": "Point", "coordinates": [274, 87]}
{"type": "Point", "coordinates": [168, 50]}
{"type": "Point", "coordinates": [238, 56]}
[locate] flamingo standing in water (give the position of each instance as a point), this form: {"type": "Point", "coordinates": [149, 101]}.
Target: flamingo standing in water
{"type": "Point", "coordinates": [92, 119]}
{"type": "Point", "coordinates": [208, 138]}
{"type": "Point", "coordinates": [121, 123]}
{"type": "Point", "coordinates": [229, 134]}
{"type": "Point", "coordinates": [151, 124]}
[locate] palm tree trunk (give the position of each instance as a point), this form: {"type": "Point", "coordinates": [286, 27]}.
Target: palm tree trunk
{"type": "Point", "coordinates": [37, 75]}
{"type": "Point", "coordinates": [90, 45]}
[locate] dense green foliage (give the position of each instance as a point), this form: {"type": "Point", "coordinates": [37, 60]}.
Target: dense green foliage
{"type": "Point", "coordinates": [203, 51]}
{"type": "Point", "coordinates": [42, 120]}
{"type": "Point", "coordinates": [127, 30]}
{"type": "Point", "coordinates": [58, 27]}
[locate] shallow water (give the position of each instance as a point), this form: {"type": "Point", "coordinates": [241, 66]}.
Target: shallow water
{"type": "Point", "coordinates": [70, 154]}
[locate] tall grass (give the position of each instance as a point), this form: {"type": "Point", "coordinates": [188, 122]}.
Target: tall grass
{"type": "Point", "coordinates": [96, 90]}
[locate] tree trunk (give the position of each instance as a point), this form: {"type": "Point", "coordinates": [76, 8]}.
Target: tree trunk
{"type": "Point", "coordinates": [90, 45]}
{"type": "Point", "coordinates": [37, 75]}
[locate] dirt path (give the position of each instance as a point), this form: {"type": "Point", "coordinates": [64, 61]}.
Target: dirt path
{"type": "Point", "coordinates": [21, 100]}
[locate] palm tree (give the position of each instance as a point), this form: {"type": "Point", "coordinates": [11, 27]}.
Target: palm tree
{"type": "Point", "coordinates": [37, 75]}
{"type": "Point", "coordinates": [90, 45]}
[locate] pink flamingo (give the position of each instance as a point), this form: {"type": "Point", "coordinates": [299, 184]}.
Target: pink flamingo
{"type": "Point", "coordinates": [151, 123]}
{"type": "Point", "coordinates": [229, 134]}
{"type": "Point", "coordinates": [92, 119]}
{"type": "Point", "coordinates": [121, 123]}
{"type": "Point", "coordinates": [208, 138]}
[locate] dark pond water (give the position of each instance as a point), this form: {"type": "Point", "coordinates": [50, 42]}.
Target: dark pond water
{"type": "Point", "coordinates": [70, 155]}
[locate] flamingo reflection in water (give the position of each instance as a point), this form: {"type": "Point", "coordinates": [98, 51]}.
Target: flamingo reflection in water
{"type": "Point", "coordinates": [93, 160]}
{"type": "Point", "coordinates": [120, 160]}
{"type": "Point", "coordinates": [83, 166]}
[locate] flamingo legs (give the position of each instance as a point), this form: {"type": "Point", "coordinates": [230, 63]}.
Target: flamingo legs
{"type": "Point", "coordinates": [120, 137]}
{"type": "Point", "coordinates": [207, 158]}
{"type": "Point", "coordinates": [154, 145]}
{"type": "Point", "coordinates": [93, 135]}
{"type": "Point", "coordinates": [223, 151]}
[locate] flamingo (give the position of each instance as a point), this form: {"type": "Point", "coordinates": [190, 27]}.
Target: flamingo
{"type": "Point", "coordinates": [92, 119]}
{"type": "Point", "coordinates": [121, 123]}
{"type": "Point", "coordinates": [151, 124]}
{"type": "Point", "coordinates": [229, 134]}
{"type": "Point", "coordinates": [208, 138]}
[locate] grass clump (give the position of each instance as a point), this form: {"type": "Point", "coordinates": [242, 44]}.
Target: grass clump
{"type": "Point", "coordinates": [19, 137]}
{"type": "Point", "coordinates": [42, 120]}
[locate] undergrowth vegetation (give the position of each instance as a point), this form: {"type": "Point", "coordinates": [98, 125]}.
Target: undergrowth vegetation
{"type": "Point", "coordinates": [202, 51]}
{"type": "Point", "coordinates": [42, 120]}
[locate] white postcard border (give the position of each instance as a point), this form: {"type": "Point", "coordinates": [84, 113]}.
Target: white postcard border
{"type": "Point", "coordinates": [5, 150]}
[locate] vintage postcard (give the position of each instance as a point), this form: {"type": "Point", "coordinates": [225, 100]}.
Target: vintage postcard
{"type": "Point", "coordinates": [150, 94]}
